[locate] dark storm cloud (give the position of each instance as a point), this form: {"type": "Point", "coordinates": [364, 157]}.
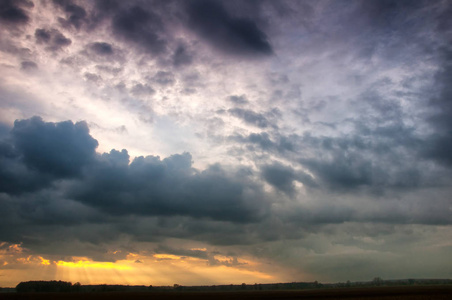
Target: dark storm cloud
{"type": "Point", "coordinates": [60, 149]}
{"type": "Point", "coordinates": [52, 180]}
{"type": "Point", "coordinates": [151, 186]}
{"type": "Point", "coordinates": [39, 153]}
{"type": "Point", "coordinates": [234, 35]}
{"type": "Point", "coordinates": [76, 15]}
{"type": "Point", "coordinates": [36, 153]}
{"type": "Point", "coordinates": [382, 13]}
{"type": "Point", "coordinates": [53, 38]}
{"type": "Point", "coordinates": [439, 145]}
{"type": "Point", "coordinates": [15, 176]}
{"type": "Point", "coordinates": [141, 27]}
{"type": "Point", "coordinates": [14, 12]}
{"type": "Point", "coordinates": [280, 176]}
{"type": "Point", "coordinates": [42, 35]}
{"type": "Point", "coordinates": [343, 172]}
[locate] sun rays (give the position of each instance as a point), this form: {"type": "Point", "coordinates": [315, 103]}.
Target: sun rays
{"type": "Point", "coordinates": [158, 269]}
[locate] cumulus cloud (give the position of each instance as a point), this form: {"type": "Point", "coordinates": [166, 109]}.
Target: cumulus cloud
{"type": "Point", "coordinates": [40, 152]}
{"type": "Point", "coordinates": [60, 149]}
{"type": "Point", "coordinates": [48, 152]}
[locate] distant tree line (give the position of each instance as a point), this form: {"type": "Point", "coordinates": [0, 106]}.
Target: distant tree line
{"type": "Point", "coordinates": [64, 286]}
{"type": "Point", "coordinates": [47, 286]}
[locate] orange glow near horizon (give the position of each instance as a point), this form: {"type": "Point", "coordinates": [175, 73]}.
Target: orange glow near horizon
{"type": "Point", "coordinates": [162, 269]}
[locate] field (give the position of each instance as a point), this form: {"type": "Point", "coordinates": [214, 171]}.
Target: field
{"type": "Point", "coordinates": [387, 293]}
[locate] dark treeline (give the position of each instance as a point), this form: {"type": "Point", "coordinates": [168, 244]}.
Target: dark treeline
{"type": "Point", "coordinates": [64, 286]}
{"type": "Point", "coordinates": [47, 286]}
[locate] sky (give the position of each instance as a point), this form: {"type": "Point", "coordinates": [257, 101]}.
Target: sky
{"type": "Point", "coordinates": [206, 142]}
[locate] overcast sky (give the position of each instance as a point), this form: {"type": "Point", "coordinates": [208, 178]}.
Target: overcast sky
{"type": "Point", "coordinates": [217, 142]}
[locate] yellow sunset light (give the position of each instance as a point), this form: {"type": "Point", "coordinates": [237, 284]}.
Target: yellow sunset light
{"type": "Point", "coordinates": [92, 265]}
{"type": "Point", "coordinates": [44, 261]}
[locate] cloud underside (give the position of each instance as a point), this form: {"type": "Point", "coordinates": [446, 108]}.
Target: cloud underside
{"type": "Point", "coordinates": [51, 174]}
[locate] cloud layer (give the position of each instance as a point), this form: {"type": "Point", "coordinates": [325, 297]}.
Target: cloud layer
{"type": "Point", "coordinates": [312, 136]}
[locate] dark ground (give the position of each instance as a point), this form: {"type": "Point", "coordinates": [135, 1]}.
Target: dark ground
{"type": "Point", "coordinates": [371, 293]}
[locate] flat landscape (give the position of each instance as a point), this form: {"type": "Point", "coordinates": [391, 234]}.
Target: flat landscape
{"type": "Point", "coordinates": [387, 293]}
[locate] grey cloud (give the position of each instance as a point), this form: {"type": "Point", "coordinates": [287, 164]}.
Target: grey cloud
{"type": "Point", "coordinates": [53, 38]}
{"type": "Point", "coordinates": [182, 252]}
{"type": "Point", "coordinates": [141, 27]}
{"type": "Point", "coordinates": [343, 172]}
{"type": "Point", "coordinates": [42, 35]}
{"type": "Point", "coordinates": [238, 100]}
{"type": "Point", "coordinates": [182, 57]}
{"type": "Point", "coordinates": [142, 89]}
{"type": "Point", "coordinates": [163, 78]}
{"type": "Point", "coordinates": [151, 186]}
{"type": "Point", "coordinates": [439, 144]}
{"type": "Point", "coordinates": [28, 65]}
{"type": "Point", "coordinates": [15, 176]}
{"type": "Point", "coordinates": [251, 117]}
{"type": "Point", "coordinates": [101, 48]}
{"type": "Point", "coordinates": [76, 15]}
{"type": "Point", "coordinates": [49, 207]}
{"type": "Point", "coordinates": [59, 149]}
{"type": "Point", "coordinates": [105, 191]}
{"type": "Point", "coordinates": [109, 69]}
{"type": "Point", "coordinates": [13, 12]}
{"type": "Point", "coordinates": [263, 140]}
{"type": "Point", "coordinates": [234, 35]}
{"type": "Point", "coordinates": [107, 6]}
{"type": "Point", "coordinates": [103, 52]}
{"type": "Point", "coordinates": [92, 77]}
{"type": "Point", "coordinates": [280, 176]}
{"type": "Point", "coordinates": [385, 13]}
{"type": "Point", "coordinates": [377, 158]}
{"type": "Point", "coordinates": [37, 153]}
